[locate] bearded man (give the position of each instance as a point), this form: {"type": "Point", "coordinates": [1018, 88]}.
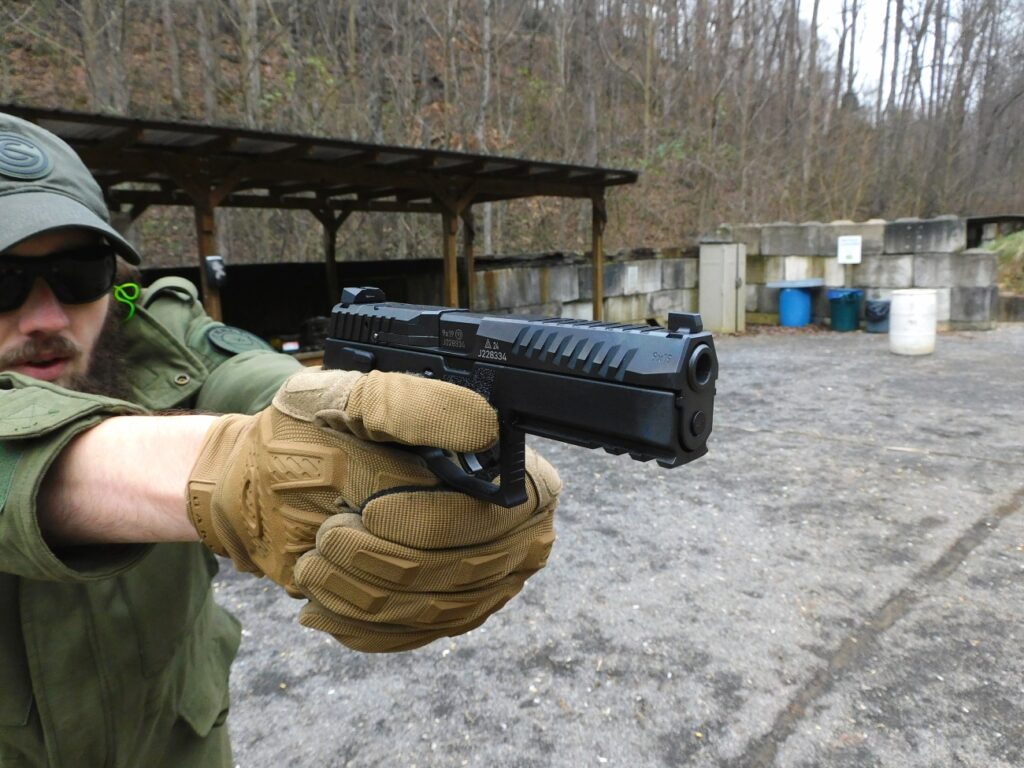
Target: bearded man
{"type": "Point", "coordinates": [113, 500]}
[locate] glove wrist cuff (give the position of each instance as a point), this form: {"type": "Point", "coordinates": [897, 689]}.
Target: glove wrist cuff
{"type": "Point", "coordinates": [200, 512]}
{"type": "Point", "coordinates": [205, 479]}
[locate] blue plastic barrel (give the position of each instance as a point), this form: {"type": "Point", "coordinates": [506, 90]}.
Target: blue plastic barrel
{"type": "Point", "coordinates": [794, 307]}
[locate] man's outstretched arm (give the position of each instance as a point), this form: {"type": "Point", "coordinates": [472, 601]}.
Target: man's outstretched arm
{"type": "Point", "coordinates": [123, 481]}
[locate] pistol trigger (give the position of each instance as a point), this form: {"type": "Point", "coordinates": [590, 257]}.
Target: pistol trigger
{"type": "Point", "coordinates": [483, 465]}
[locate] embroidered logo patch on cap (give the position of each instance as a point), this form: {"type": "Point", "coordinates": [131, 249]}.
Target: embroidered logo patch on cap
{"type": "Point", "coordinates": [22, 159]}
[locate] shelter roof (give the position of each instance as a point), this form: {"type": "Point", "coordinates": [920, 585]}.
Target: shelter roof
{"type": "Point", "coordinates": [150, 162]}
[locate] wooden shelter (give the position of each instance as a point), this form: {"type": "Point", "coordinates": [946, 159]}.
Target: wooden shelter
{"type": "Point", "coordinates": [141, 163]}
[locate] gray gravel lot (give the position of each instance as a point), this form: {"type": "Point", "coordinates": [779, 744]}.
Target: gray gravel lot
{"type": "Point", "coordinates": [837, 583]}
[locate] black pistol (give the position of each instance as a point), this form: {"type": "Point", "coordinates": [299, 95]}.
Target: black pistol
{"type": "Point", "coordinates": [643, 390]}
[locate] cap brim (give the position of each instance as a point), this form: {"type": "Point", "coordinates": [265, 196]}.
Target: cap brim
{"type": "Point", "coordinates": [26, 214]}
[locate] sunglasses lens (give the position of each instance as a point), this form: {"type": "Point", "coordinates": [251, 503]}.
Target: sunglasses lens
{"type": "Point", "coordinates": [14, 287]}
{"type": "Point", "coordinates": [75, 277]}
{"type": "Point", "coordinates": [83, 277]}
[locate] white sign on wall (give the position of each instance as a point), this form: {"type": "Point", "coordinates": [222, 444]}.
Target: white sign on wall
{"type": "Point", "coordinates": [848, 249]}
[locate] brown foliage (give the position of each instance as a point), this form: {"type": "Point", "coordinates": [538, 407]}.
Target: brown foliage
{"type": "Point", "coordinates": [731, 110]}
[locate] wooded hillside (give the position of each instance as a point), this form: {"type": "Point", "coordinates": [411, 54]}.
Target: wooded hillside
{"type": "Point", "coordinates": [734, 110]}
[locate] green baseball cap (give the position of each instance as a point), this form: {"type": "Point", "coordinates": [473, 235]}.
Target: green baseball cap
{"type": "Point", "coordinates": [44, 185]}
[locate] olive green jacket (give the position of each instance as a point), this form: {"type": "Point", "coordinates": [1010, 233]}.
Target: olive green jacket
{"type": "Point", "coordinates": [117, 656]}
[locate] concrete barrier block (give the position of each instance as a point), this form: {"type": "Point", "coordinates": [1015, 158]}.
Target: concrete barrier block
{"type": "Point", "coordinates": [546, 309]}
{"type": "Point", "coordinates": [945, 234]}
{"type": "Point", "coordinates": [798, 267]}
{"type": "Point", "coordinates": [1011, 308]}
{"type": "Point", "coordinates": [878, 294]}
{"type": "Point", "coordinates": [973, 306]}
{"type": "Point", "coordinates": [626, 309]}
{"type": "Point", "coordinates": [834, 273]}
{"type": "Point", "coordinates": [751, 298]}
{"type": "Point", "coordinates": [642, 276]}
{"type": "Point", "coordinates": [885, 271]}
{"type": "Point", "coordinates": [872, 236]}
{"type": "Point", "coordinates": [503, 288]}
{"type": "Point", "coordinates": [933, 270]}
{"type": "Point", "coordinates": [747, 234]}
{"type": "Point", "coordinates": [578, 310]}
{"type": "Point", "coordinates": [943, 301]}
{"type": "Point", "coordinates": [614, 280]}
{"type": "Point", "coordinates": [784, 239]}
{"type": "Point", "coordinates": [621, 278]}
{"type": "Point", "coordinates": [558, 283]}
{"type": "Point", "coordinates": [585, 281]}
{"type": "Point", "coordinates": [679, 273]}
{"type": "Point", "coordinates": [755, 269]}
{"type": "Point", "coordinates": [660, 303]}
{"type": "Point", "coordinates": [820, 307]}
{"type": "Point", "coordinates": [975, 268]}
{"type": "Point", "coordinates": [767, 300]}
{"type": "Point", "coordinates": [774, 269]}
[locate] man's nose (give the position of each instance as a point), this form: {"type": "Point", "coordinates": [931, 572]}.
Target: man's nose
{"type": "Point", "coordinates": [42, 312]}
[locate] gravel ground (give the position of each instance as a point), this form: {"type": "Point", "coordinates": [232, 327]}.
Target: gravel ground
{"type": "Point", "coordinates": [837, 583]}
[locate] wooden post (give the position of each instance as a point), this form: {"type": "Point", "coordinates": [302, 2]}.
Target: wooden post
{"type": "Point", "coordinates": [206, 197]}
{"type": "Point", "coordinates": [206, 232]}
{"type": "Point", "coordinates": [331, 262]}
{"type": "Point", "coordinates": [449, 230]}
{"type": "Point", "coordinates": [331, 222]}
{"type": "Point", "coordinates": [598, 219]}
{"type": "Point", "coordinates": [468, 242]}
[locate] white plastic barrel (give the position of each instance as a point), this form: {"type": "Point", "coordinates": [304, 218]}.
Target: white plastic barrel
{"type": "Point", "coordinates": [912, 320]}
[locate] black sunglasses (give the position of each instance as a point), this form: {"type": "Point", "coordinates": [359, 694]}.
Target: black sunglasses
{"type": "Point", "coordinates": [76, 277]}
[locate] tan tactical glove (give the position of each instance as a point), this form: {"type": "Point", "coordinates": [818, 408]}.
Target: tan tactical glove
{"type": "Point", "coordinates": [412, 561]}
{"type": "Point", "coordinates": [263, 484]}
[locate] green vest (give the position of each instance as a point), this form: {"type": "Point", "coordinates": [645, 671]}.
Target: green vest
{"type": "Point", "coordinates": [117, 656]}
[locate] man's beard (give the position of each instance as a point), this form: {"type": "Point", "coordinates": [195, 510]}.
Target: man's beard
{"type": "Point", "coordinates": [105, 375]}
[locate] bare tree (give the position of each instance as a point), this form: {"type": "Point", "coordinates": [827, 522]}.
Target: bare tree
{"type": "Point", "coordinates": [167, 17]}
{"type": "Point", "coordinates": [209, 59]}
{"type": "Point", "coordinates": [101, 30]}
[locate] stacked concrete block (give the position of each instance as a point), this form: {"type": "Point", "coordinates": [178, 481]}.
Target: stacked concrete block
{"type": "Point", "coordinates": [1011, 308]}
{"type": "Point", "coordinates": [622, 278]}
{"type": "Point", "coordinates": [578, 310]}
{"type": "Point", "coordinates": [756, 269]}
{"type": "Point", "coordinates": [885, 271]}
{"type": "Point", "coordinates": [974, 307]}
{"type": "Point", "coordinates": [626, 309]}
{"type": "Point", "coordinates": [943, 306]}
{"type": "Point", "coordinates": [525, 286]}
{"type": "Point", "coordinates": [774, 268]}
{"type": "Point", "coordinates": [751, 301]}
{"type": "Point", "coordinates": [871, 233]}
{"type": "Point", "coordinates": [635, 289]}
{"type": "Point", "coordinates": [745, 234]}
{"type": "Point", "coordinates": [796, 267]}
{"type": "Point", "coordinates": [833, 272]}
{"type": "Point", "coordinates": [547, 309]}
{"type": "Point", "coordinates": [945, 234]}
{"type": "Point", "coordinates": [974, 297]}
{"type": "Point", "coordinates": [660, 303]}
{"type": "Point", "coordinates": [976, 268]}
{"type": "Point", "coordinates": [933, 270]}
{"type": "Point", "coordinates": [785, 239]}
{"type": "Point", "coordinates": [906, 253]}
{"type": "Point", "coordinates": [679, 273]}
{"type": "Point", "coordinates": [506, 288]}
{"type": "Point", "coordinates": [767, 300]}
